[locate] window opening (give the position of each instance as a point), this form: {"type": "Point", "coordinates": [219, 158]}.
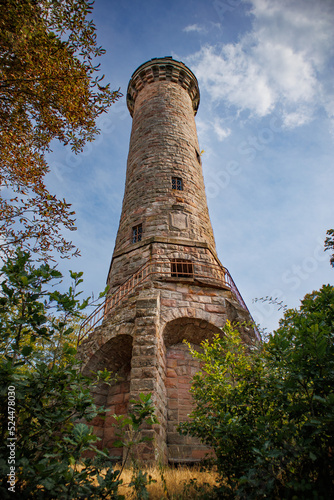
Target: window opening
{"type": "Point", "coordinates": [177, 183]}
{"type": "Point", "coordinates": [182, 268]}
{"type": "Point", "coordinates": [137, 232]}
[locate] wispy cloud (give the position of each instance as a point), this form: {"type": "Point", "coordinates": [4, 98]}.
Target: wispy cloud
{"type": "Point", "coordinates": [194, 27]}
{"type": "Point", "coordinates": [281, 64]}
{"type": "Point", "coordinates": [220, 131]}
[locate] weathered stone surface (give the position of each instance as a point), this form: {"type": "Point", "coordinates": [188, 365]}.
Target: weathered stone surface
{"type": "Point", "coordinates": [153, 308]}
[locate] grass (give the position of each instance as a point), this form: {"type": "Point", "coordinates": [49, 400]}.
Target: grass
{"type": "Point", "coordinates": [172, 483]}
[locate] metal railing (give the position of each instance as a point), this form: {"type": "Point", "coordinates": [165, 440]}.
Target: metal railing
{"type": "Point", "coordinates": [175, 268]}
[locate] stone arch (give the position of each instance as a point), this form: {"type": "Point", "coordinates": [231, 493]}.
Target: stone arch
{"type": "Point", "coordinates": [198, 316]}
{"type": "Point", "coordinates": [194, 330]}
{"type": "Point", "coordinates": [180, 369]}
{"type": "Point", "coordinates": [115, 355]}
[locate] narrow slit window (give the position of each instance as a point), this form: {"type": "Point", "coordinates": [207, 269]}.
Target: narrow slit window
{"type": "Point", "coordinates": [177, 183]}
{"type": "Point", "coordinates": [182, 268]}
{"type": "Point", "coordinates": [137, 232]}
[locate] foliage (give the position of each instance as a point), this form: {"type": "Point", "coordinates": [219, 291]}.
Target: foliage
{"type": "Point", "coordinates": [49, 89]}
{"type": "Point", "coordinates": [268, 410]}
{"type": "Point", "coordinates": [130, 437]}
{"type": "Point", "coordinates": [45, 399]}
{"type": "Point", "coordinates": [139, 482]}
{"type": "Point", "coordinates": [329, 244]}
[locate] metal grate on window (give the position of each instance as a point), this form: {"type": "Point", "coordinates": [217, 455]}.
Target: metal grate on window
{"type": "Point", "coordinates": [177, 183]}
{"type": "Point", "coordinates": [137, 232]}
{"type": "Point", "coordinates": [182, 268]}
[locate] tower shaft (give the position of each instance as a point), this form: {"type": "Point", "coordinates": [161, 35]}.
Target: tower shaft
{"type": "Point", "coordinates": [164, 190]}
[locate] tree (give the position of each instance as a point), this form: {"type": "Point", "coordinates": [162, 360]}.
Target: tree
{"type": "Point", "coordinates": [42, 397]}
{"type": "Point", "coordinates": [329, 244]}
{"type": "Point", "coordinates": [45, 400]}
{"type": "Point", "coordinates": [49, 89]}
{"type": "Point", "coordinates": [268, 410]}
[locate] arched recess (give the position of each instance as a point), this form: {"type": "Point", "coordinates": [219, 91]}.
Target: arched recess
{"type": "Point", "coordinates": [180, 369]}
{"type": "Point", "coordinates": [115, 356]}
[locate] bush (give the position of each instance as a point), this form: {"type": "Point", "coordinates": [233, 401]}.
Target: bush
{"type": "Point", "coordinates": [43, 451]}
{"type": "Point", "coordinates": [268, 410]}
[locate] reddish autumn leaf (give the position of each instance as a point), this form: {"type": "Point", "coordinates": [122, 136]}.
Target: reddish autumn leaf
{"type": "Point", "coordinates": [49, 89]}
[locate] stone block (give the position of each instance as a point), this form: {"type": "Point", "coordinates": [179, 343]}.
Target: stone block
{"type": "Point", "coordinates": [184, 395]}
{"type": "Point", "coordinates": [99, 399]}
{"type": "Point", "coordinates": [173, 404]}
{"type": "Point", "coordinates": [211, 308]}
{"type": "Point", "coordinates": [116, 398]}
{"type": "Point", "coordinates": [200, 454]}
{"type": "Point", "coordinates": [169, 303]}
{"type": "Point", "coordinates": [174, 438]}
{"type": "Point", "coordinates": [173, 393]}
{"type": "Point", "coordinates": [98, 431]}
{"type": "Point", "coordinates": [147, 350]}
{"type": "Point", "coordinates": [110, 420]}
{"type": "Point", "coordinates": [171, 383]}
{"type": "Point", "coordinates": [145, 385]}
{"type": "Point", "coordinates": [183, 380]}
{"type": "Point", "coordinates": [109, 434]}
{"type": "Point", "coordinates": [111, 409]}
{"type": "Point", "coordinates": [175, 354]}
{"type": "Point", "coordinates": [114, 389]}
{"type": "Point", "coordinates": [143, 361]}
{"type": "Point", "coordinates": [121, 408]}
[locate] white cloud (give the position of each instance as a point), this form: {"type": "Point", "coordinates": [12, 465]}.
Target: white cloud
{"type": "Point", "coordinates": [229, 76]}
{"type": "Point", "coordinates": [220, 132]}
{"type": "Point", "coordinates": [282, 63]}
{"type": "Point", "coordinates": [194, 27]}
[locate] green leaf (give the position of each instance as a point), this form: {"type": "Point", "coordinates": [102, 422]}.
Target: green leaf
{"type": "Point", "coordinates": [26, 350]}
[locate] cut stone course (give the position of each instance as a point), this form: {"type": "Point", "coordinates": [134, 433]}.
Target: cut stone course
{"type": "Point", "coordinates": [151, 306]}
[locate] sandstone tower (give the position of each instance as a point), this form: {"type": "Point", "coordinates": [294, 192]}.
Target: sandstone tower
{"type": "Point", "coordinates": [166, 281]}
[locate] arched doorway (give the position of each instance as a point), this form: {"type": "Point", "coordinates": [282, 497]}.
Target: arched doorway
{"type": "Point", "coordinates": [115, 356]}
{"type": "Point", "coordinates": [180, 369]}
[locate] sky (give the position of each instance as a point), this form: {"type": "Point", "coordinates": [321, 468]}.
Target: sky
{"type": "Point", "coordinates": [265, 123]}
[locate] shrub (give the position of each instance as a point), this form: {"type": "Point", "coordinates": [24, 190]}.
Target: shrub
{"type": "Point", "coordinates": [43, 394]}
{"type": "Point", "coordinates": [268, 410]}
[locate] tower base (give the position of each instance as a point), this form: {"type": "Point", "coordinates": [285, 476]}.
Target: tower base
{"type": "Point", "coordinates": [141, 340]}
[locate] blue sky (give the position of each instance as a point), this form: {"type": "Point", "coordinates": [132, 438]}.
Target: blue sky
{"type": "Point", "coordinates": [265, 123]}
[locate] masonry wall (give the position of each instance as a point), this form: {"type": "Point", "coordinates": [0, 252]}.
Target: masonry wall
{"type": "Point", "coordinates": [163, 145]}
{"type": "Point", "coordinates": [157, 319]}
{"type": "Point", "coordinates": [181, 367]}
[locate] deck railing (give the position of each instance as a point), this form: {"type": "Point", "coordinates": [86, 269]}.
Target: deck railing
{"type": "Point", "coordinates": [177, 268]}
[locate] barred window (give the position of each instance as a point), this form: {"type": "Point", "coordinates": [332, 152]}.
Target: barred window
{"type": "Point", "coordinates": [137, 232]}
{"type": "Point", "coordinates": [182, 268]}
{"type": "Point", "coordinates": [177, 183]}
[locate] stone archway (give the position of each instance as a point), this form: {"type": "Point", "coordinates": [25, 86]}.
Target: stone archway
{"type": "Point", "coordinates": [115, 356]}
{"type": "Point", "coordinates": [180, 369]}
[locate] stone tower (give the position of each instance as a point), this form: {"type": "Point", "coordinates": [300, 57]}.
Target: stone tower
{"type": "Point", "coordinates": [166, 281]}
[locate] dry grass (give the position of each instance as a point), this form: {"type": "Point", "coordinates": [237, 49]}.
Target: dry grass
{"type": "Point", "coordinates": [177, 482]}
